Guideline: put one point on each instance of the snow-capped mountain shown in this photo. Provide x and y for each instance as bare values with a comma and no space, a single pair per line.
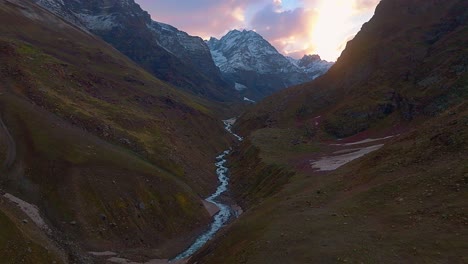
242,63
313,65
247,50
257,68
170,54
188,48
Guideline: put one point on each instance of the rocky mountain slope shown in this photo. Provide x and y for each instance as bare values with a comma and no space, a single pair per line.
257,68
369,159
313,65
170,54
108,156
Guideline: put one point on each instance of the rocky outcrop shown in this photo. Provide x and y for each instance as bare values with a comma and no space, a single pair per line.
190,49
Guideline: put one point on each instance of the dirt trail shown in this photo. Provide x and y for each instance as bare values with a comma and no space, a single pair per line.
11,146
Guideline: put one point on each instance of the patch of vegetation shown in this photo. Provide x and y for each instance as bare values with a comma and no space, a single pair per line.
276,144
16,248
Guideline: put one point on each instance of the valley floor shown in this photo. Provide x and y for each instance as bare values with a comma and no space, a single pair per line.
396,196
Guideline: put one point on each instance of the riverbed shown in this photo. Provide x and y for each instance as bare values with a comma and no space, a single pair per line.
225,211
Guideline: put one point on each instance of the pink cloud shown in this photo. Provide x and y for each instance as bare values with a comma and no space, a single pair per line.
203,18
288,30
274,24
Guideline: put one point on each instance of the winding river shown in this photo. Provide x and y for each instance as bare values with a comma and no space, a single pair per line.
225,211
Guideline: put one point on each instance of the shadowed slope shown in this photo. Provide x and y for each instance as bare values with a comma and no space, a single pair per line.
409,60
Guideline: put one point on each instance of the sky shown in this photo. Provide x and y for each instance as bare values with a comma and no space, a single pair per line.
294,27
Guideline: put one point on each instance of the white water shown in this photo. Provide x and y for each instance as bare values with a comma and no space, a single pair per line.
225,212
228,126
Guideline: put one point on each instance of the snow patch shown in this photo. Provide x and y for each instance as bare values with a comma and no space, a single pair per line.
240,87
101,22
293,61
51,3
249,100
166,27
368,140
331,163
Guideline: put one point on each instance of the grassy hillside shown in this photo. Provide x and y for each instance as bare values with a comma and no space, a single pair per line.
404,75
114,158
16,247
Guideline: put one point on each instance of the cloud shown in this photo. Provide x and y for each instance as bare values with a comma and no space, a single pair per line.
288,30
294,27
365,5
204,18
273,24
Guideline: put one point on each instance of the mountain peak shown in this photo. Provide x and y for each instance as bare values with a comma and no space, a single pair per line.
247,53
313,63
247,50
314,57
243,32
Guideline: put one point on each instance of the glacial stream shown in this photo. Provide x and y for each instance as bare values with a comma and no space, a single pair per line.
225,211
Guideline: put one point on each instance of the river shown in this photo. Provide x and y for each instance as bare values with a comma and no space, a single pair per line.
225,211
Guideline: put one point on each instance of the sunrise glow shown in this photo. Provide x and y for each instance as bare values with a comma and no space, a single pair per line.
328,32
294,27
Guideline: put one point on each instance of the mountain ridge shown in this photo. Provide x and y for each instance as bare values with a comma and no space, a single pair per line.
131,30
246,58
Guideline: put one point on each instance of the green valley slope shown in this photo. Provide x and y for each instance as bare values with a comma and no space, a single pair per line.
114,158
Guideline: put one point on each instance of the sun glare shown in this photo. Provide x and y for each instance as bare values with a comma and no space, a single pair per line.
329,28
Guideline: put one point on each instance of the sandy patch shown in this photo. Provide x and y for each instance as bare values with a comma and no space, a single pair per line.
330,163
30,210
211,208
237,210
